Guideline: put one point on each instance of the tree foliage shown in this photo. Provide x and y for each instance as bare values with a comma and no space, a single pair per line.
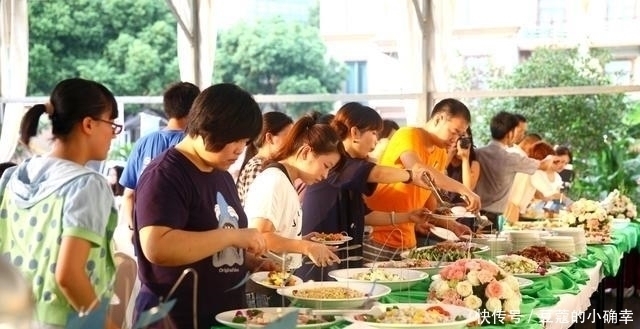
129,45
274,56
579,121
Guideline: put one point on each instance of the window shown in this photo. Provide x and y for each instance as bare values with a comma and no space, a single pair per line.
620,71
552,12
622,9
356,77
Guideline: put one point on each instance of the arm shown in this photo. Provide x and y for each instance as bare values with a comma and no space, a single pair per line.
320,254
166,246
410,160
375,218
126,208
71,275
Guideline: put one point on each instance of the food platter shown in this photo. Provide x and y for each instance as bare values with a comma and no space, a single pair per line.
331,239
444,234
453,250
394,278
270,279
397,315
422,265
266,315
334,295
553,270
572,260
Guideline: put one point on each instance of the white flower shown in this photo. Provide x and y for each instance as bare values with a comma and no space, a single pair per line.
512,282
494,305
472,277
441,288
512,304
464,288
507,292
473,302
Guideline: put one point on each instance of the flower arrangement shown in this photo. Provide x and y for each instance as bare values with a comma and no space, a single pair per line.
480,285
619,205
592,217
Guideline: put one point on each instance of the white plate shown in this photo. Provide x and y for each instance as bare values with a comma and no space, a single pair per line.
523,283
261,278
571,260
469,314
370,290
552,270
399,264
226,318
445,217
444,234
333,243
408,277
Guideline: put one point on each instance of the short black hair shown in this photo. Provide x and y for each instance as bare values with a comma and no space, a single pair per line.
178,99
453,108
387,126
501,124
521,118
222,114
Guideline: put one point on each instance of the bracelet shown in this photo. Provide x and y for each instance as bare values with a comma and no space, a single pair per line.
393,218
410,176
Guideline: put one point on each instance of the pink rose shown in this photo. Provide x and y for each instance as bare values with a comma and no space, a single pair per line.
494,290
452,272
485,276
473,265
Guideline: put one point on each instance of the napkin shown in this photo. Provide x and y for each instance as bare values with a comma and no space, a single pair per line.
546,289
608,254
415,294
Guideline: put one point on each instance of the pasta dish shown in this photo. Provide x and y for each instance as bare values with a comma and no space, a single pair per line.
328,293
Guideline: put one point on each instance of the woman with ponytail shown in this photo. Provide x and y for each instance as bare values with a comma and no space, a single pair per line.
272,205
56,216
275,125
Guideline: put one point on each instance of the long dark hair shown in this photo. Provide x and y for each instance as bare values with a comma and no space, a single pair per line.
321,138
70,102
117,189
356,115
272,123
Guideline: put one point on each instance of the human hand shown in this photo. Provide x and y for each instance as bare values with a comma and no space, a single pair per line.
424,228
459,229
472,200
251,240
321,255
310,235
419,216
462,152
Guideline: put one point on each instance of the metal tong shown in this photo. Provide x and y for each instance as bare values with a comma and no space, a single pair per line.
429,181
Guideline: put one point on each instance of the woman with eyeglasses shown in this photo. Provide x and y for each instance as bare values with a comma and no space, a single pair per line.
57,216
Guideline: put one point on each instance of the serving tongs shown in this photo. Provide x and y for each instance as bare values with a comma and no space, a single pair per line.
346,259
432,186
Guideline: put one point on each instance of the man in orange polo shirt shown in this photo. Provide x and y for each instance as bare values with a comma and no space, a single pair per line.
418,148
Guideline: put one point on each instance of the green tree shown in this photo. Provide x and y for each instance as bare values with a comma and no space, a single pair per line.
274,56
129,45
580,121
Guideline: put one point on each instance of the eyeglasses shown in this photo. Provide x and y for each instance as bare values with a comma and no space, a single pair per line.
117,128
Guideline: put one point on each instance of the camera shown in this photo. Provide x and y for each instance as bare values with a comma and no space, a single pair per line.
465,142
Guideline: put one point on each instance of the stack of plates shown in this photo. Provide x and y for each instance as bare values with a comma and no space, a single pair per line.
563,244
498,246
524,238
577,233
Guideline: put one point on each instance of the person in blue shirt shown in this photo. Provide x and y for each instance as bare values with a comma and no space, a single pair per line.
177,101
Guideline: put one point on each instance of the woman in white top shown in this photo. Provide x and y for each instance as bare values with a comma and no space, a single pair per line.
545,184
272,204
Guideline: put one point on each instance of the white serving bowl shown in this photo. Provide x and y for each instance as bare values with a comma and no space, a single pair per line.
407,277
370,291
469,315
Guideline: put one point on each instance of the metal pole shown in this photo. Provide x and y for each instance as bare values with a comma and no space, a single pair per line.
428,54
196,34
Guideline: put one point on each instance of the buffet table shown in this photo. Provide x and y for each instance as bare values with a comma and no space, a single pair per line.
557,301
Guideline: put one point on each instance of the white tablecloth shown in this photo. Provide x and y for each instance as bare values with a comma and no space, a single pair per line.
563,314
